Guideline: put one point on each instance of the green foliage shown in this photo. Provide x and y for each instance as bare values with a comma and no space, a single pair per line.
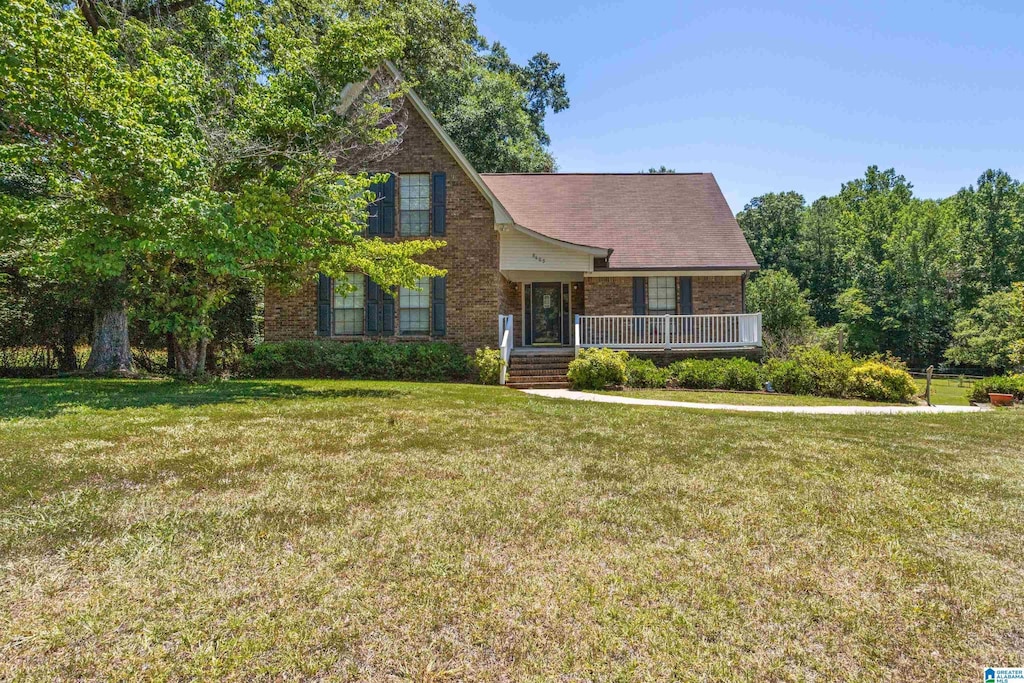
735,374
1000,384
785,312
597,369
876,381
772,224
642,373
787,376
493,108
991,335
425,362
828,373
488,362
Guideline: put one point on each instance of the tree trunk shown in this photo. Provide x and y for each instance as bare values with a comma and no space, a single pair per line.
111,351
190,356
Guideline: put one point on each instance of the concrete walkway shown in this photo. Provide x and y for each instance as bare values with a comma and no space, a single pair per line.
810,410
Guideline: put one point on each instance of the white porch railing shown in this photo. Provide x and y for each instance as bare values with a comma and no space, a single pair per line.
725,331
505,343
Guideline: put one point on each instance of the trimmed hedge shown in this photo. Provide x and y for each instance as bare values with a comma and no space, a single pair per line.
642,373
735,374
1000,384
420,361
597,369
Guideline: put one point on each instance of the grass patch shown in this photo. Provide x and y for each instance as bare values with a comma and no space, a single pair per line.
741,398
376,531
947,391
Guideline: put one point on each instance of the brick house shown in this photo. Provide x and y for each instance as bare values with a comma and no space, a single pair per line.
639,261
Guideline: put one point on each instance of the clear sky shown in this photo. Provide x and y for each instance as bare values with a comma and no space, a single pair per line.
785,95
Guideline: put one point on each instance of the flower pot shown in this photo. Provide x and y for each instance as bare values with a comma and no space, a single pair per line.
1001,399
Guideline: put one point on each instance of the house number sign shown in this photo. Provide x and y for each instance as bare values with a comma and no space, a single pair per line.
541,259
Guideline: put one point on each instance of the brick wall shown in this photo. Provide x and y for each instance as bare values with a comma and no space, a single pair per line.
717,295
711,294
510,299
608,295
471,254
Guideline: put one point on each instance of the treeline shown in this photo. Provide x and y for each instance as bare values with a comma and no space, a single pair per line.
931,281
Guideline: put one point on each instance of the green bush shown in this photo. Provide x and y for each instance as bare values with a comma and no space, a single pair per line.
878,381
426,361
738,374
741,374
642,373
488,362
1000,384
829,373
787,377
597,368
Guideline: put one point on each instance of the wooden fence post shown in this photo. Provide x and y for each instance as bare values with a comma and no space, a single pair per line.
928,385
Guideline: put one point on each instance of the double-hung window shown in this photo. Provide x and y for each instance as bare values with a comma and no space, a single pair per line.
350,304
414,308
661,295
415,201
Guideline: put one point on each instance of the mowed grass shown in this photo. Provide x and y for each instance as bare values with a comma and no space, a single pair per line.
384,531
946,391
741,398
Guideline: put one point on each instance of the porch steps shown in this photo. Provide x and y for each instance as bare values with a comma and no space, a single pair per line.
545,370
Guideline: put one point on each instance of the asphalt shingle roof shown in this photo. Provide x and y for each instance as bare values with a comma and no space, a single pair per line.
651,221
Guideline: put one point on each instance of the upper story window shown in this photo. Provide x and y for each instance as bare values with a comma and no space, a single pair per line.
415,202
414,308
661,295
350,305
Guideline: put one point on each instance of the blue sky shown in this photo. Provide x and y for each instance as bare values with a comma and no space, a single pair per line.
773,96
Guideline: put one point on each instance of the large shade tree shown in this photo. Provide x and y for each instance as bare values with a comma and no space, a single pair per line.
186,152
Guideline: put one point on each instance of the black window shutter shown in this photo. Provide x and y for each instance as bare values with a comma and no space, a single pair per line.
686,295
387,313
372,306
439,309
373,210
439,199
323,306
639,296
387,207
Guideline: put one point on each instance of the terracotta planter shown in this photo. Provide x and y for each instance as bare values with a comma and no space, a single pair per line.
1001,399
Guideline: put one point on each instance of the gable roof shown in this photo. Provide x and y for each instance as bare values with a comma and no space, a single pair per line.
350,93
671,221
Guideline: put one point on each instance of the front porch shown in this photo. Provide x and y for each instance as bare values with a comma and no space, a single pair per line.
715,334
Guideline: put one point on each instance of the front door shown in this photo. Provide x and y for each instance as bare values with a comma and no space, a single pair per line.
546,310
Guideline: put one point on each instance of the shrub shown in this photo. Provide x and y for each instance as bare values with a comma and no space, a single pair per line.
787,377
697,374
488,362
426,361
597,368
1000,384
829,373
642,373
877,381
738,374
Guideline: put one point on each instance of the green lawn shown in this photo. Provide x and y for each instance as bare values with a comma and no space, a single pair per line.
740,398
386,531
949,392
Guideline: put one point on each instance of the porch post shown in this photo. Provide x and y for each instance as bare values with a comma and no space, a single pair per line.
576,332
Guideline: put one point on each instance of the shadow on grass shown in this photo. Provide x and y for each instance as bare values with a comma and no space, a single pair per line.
47,398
